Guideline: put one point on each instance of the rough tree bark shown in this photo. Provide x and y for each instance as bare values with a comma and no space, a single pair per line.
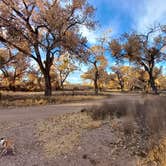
96,78
149,70
48,87
152,82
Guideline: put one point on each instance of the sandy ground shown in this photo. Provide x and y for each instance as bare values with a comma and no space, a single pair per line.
96,146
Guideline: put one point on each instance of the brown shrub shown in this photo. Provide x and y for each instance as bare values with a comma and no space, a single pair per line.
144,122
108,111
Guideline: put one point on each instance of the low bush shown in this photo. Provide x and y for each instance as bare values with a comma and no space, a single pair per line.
108,111
143,124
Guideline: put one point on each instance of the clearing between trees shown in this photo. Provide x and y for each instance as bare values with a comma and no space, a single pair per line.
87,133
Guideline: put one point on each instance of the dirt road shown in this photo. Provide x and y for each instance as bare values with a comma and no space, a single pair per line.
40,112
20,125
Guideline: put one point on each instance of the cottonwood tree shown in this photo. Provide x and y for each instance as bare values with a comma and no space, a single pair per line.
119,75
64,66
128,77
104,79
98,63
5,56
145,50
161,80
39,28
137,79
34,78
15,69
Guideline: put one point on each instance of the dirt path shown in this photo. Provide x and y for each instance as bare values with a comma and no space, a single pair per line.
40,112
20,125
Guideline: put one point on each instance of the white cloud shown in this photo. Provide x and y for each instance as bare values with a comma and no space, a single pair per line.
154,13
143,14
91,35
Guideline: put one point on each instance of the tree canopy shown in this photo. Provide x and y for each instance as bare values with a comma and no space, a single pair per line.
40,28
145,50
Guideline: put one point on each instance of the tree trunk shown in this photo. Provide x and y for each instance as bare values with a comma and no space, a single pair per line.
12,86
121,87
48,87
96,78
96,83
152,82
121,83
62,86
96,87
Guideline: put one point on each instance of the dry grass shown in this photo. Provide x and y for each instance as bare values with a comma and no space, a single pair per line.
142,125
108,111
62,133
156,156
29,99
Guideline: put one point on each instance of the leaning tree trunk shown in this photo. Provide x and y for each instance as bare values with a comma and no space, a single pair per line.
48,87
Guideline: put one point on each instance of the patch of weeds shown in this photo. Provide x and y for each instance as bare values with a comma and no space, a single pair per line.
141,126
108,111
156,155
31,100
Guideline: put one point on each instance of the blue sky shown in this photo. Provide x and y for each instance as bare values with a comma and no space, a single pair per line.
122,16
